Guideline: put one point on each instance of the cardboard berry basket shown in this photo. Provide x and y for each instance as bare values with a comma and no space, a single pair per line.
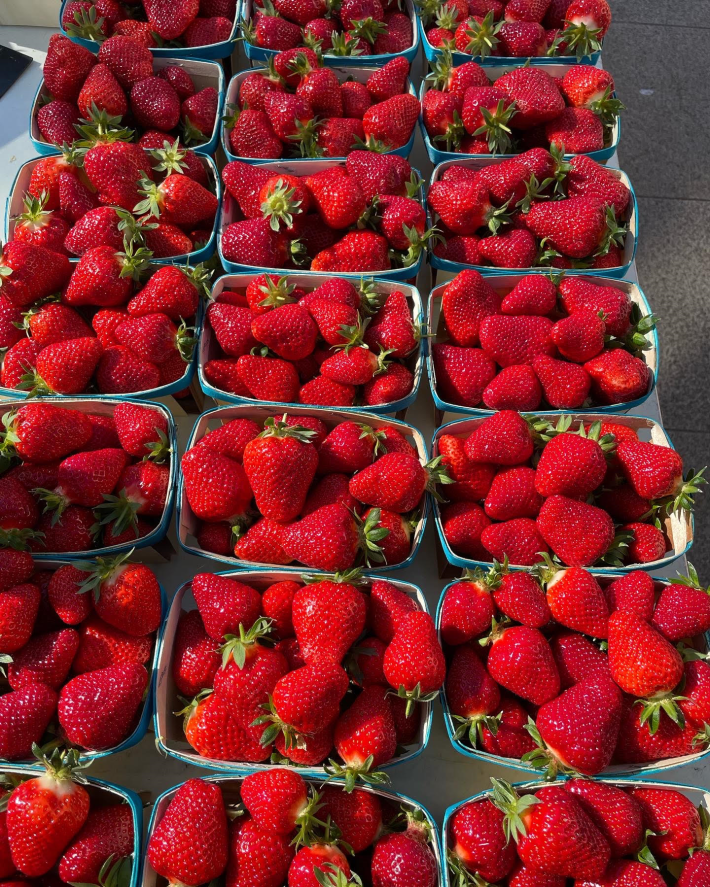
230,213
149,393
168,728
613,771
203,74
101,794
259,53
230,786
14,206
102,406
141,727
679,528
187,523
478,162
360,75
553,67
219,50
699,796
432,53
209,348
502,284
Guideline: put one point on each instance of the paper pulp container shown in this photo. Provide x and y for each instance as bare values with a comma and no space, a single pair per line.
230,786
613,771
231,213
187,523
502,284
679,528
101,794
258,53
553,67
102,406
432,53
478,162
360,75
210,51
203,74
141,727
14,206
699,797
168,728
209,347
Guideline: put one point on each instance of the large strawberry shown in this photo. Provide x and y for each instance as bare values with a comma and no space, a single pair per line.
328,617
107,834
414,663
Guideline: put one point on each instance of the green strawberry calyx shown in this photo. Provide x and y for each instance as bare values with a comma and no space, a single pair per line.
329,875
62,765
280,206
354,773
103,569
437,473
514,806
413,696
278,428
370,533
236,647
170,157
580,39
346,577
542,758
277,293
87,24
120,511
495,127
19,540
472,727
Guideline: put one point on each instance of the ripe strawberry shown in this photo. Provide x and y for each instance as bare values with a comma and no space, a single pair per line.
389,387
365,736
519,596
672,818
533,294
330,538
396,482
565,385
578,533
522,39
576,130
44,432
637,744
513,388
635,592
580,293
520,660
682,609
227,496
695,870
45,659
115,169
315,862
196,656
571,465
502,439
478,841
190,842
397,38
225,604
462,374
514,340
472,695
97,709
414,663
578,659
512,494
102,91
388,607
74,532
255,855
275,799
615,813
408,855
587,178
24,717
510,249
618,377
472,480
646,543
107,834
179,79
586,22
463,524
66,67
214,729
658,673
356,252
18,610
178,200
16,567
120,371
126,596
357,814
391,123
388,81
29,273
575,226
577,601
653,471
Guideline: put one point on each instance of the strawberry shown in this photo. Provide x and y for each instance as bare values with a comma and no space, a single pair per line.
637,744
575,226
646,543
624,871
580,336
510,249
682,608
565,385
257,856
16,567
513,388
178,200
513,494
127,60
586,22
226,475
672,818
357,814
389,387
519,596
414,663
66,67
275,799
126,596
18,610
316,861
533,294
657,674
479,844
396,482
330,538
120,371
462,374
388,606
389,80
97,709
472,480
405,858
155,104
116,169
587,178
356,252
40,227
29,273
94,226
179,79
572,465
325,392
514,340
101,91
472,695
635,592
107,834
580,293
45,659
365,736
554,834
85,479
11,323
519,540
139,31
463,524
74,532
225,604
576,130
522,39
536,96
525,877
695,870
24,717
502,439
526,10
44,432
338,198
615,813
511,740
391,122
397,38
578,533
617,376
653,471
215,730
190,841
196,656
520,660
577,602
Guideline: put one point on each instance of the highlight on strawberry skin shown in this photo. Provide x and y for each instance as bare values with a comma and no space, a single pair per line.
60,824
276,827
592,490
592,833
331,673
328,491
76,648
86,477
313,339
530,342
576,673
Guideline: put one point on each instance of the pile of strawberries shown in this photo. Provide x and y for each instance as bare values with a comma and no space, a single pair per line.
75,645
579,672
360,216
516,28
566,342
152,23
56,829
535,209
332,670
330,345
296,489
352,28
466,113
119,86
288,833
296,107
73,481
588,494
104,331
599,834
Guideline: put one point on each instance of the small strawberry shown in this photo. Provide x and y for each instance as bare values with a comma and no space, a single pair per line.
472,695
463,524
646,543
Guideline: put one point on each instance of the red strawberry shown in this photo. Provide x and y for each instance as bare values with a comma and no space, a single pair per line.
520,660
519,596
695,870
672,818
275,799
658,673
330,538
578,533
587,178
472,695
120,371
618,377
502,439
357,814
406,853
534,294
107,834
391,123
365,736
196,656
465,302
571,465
513,388
472,480
414,663
462,374
578,658
615,813
45,659
24,717
225,604
463,524
513,494
396,482
328,617
388,607
635,592
479,843
18,610
29,273
580,293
